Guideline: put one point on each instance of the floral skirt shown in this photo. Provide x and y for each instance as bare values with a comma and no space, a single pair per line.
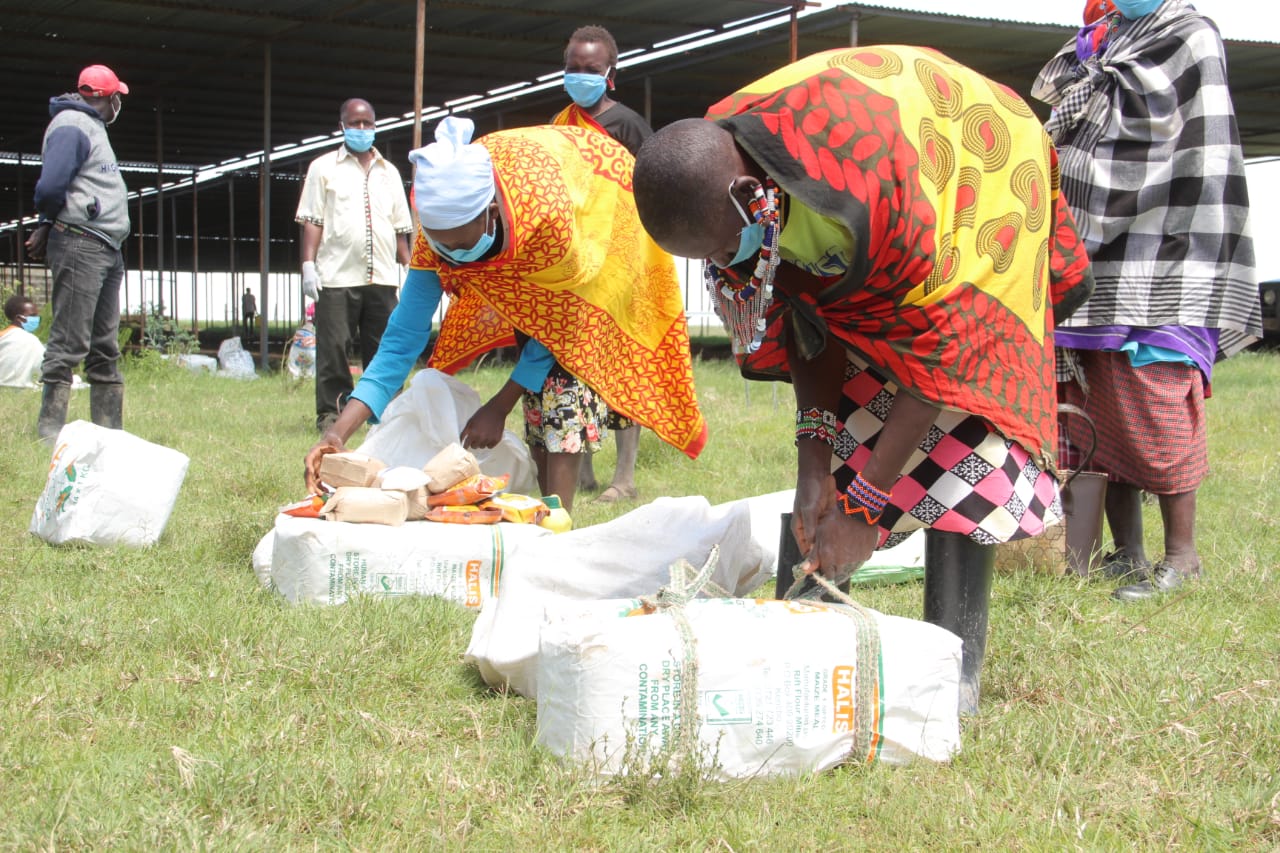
565,416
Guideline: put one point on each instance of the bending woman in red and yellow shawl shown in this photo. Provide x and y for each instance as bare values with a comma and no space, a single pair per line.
884,231
535,229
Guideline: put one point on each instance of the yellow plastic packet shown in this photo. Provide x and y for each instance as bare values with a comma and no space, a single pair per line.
519,509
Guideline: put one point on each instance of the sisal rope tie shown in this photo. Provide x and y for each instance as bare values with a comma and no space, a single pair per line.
686,584
867,655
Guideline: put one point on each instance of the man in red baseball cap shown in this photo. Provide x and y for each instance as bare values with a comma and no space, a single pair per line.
99,81
84,219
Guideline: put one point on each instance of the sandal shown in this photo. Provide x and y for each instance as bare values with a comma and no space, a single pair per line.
613,494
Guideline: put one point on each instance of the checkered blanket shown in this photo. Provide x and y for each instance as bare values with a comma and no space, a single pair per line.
1153,169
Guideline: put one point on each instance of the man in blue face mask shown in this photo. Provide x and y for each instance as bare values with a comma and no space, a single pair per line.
355,236
590,71
20,350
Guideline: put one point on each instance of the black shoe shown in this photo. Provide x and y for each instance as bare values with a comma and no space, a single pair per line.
1163,579
1119,566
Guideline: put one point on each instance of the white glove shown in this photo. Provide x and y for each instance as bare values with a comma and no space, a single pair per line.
310,280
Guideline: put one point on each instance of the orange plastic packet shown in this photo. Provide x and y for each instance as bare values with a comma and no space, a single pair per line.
309,508
472,490
464,515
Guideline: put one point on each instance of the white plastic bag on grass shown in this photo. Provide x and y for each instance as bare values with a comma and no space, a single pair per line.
429,416
626,557
261,558
107,487
234,361
782,687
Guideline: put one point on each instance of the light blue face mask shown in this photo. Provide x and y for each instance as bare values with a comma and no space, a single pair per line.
586,89
750,238
1132,9
475,253
358,139
31,324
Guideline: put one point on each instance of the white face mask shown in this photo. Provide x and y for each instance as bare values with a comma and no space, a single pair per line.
116,105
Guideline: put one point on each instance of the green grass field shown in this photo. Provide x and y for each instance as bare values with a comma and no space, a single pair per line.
160,699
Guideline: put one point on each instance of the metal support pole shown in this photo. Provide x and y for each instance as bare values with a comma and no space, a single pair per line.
853,29
231,248
160,206
22,237
419,65
173,260
142,265
264,206
795,31
195,256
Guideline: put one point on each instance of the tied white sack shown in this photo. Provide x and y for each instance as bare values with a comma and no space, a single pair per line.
314,561
429,416
107,487
781,686
234,360
627,557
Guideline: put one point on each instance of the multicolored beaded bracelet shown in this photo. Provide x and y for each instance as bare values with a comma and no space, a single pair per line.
862,497
818,424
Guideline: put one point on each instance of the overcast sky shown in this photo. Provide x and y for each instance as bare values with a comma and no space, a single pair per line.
1238,19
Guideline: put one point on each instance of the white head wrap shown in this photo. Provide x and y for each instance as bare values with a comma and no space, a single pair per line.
454,179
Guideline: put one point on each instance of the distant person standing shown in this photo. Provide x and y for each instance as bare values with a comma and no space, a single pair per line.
20,350
1153,169
248,310
84,219
355,232
590,72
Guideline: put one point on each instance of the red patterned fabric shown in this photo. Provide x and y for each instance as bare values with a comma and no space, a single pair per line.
1151,421
948,187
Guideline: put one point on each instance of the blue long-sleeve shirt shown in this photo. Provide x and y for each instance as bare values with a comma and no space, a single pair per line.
409,329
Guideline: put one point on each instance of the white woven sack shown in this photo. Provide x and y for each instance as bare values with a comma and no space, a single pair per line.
315,561
107,487
776,687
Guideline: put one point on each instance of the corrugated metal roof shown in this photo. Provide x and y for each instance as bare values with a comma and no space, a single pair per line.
196,69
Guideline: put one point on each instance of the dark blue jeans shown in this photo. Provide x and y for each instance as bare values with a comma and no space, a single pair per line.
343,313
87,274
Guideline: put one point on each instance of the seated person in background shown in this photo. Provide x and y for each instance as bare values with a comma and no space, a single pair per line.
885,232
535,229
20,350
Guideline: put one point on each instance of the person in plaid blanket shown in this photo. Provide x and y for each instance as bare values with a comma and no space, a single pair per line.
1153,169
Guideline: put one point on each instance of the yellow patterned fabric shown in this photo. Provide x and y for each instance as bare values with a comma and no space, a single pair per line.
577,273
575,116
961,242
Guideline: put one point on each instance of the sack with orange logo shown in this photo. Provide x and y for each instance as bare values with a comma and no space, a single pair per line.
315,561
753,687
107,487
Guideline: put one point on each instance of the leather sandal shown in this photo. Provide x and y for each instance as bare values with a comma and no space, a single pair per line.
1118,565
1163,579
613,494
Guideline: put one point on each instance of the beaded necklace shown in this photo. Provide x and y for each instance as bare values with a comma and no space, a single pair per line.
742,304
